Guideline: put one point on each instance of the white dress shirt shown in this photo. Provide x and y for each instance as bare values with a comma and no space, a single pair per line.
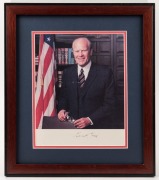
86,69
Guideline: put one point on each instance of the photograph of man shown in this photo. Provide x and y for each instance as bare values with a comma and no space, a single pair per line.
87,92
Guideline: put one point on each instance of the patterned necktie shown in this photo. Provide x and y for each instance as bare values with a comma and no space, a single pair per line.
81,78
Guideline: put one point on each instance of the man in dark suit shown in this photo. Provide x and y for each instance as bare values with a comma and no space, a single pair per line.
87,92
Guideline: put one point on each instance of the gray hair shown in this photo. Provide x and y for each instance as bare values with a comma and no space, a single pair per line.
89,42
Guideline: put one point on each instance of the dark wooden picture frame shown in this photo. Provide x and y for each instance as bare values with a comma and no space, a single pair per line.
12,168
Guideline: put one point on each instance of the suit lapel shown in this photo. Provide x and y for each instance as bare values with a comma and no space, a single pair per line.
89,80
74,80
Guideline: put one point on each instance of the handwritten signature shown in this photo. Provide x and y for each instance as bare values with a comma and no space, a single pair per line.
83,135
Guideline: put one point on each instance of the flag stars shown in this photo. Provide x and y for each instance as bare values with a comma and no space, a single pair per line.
49,39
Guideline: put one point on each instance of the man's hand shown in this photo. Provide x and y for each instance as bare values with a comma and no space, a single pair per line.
62,115
82,123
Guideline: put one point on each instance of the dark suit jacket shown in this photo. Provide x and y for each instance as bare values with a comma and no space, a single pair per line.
95,100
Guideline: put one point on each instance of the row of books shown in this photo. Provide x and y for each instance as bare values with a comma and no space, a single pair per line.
64,56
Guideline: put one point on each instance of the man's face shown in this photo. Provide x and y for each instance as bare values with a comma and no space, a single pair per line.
82,52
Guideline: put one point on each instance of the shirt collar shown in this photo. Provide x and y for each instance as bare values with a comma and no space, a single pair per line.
85,68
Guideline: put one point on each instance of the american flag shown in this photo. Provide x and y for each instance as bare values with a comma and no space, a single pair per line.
45,89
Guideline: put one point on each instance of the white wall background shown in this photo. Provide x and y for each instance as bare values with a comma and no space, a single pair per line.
2,177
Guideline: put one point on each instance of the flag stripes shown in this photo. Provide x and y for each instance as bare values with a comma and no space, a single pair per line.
45,91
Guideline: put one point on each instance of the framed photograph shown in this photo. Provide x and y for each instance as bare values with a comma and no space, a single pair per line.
108,50
79,90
